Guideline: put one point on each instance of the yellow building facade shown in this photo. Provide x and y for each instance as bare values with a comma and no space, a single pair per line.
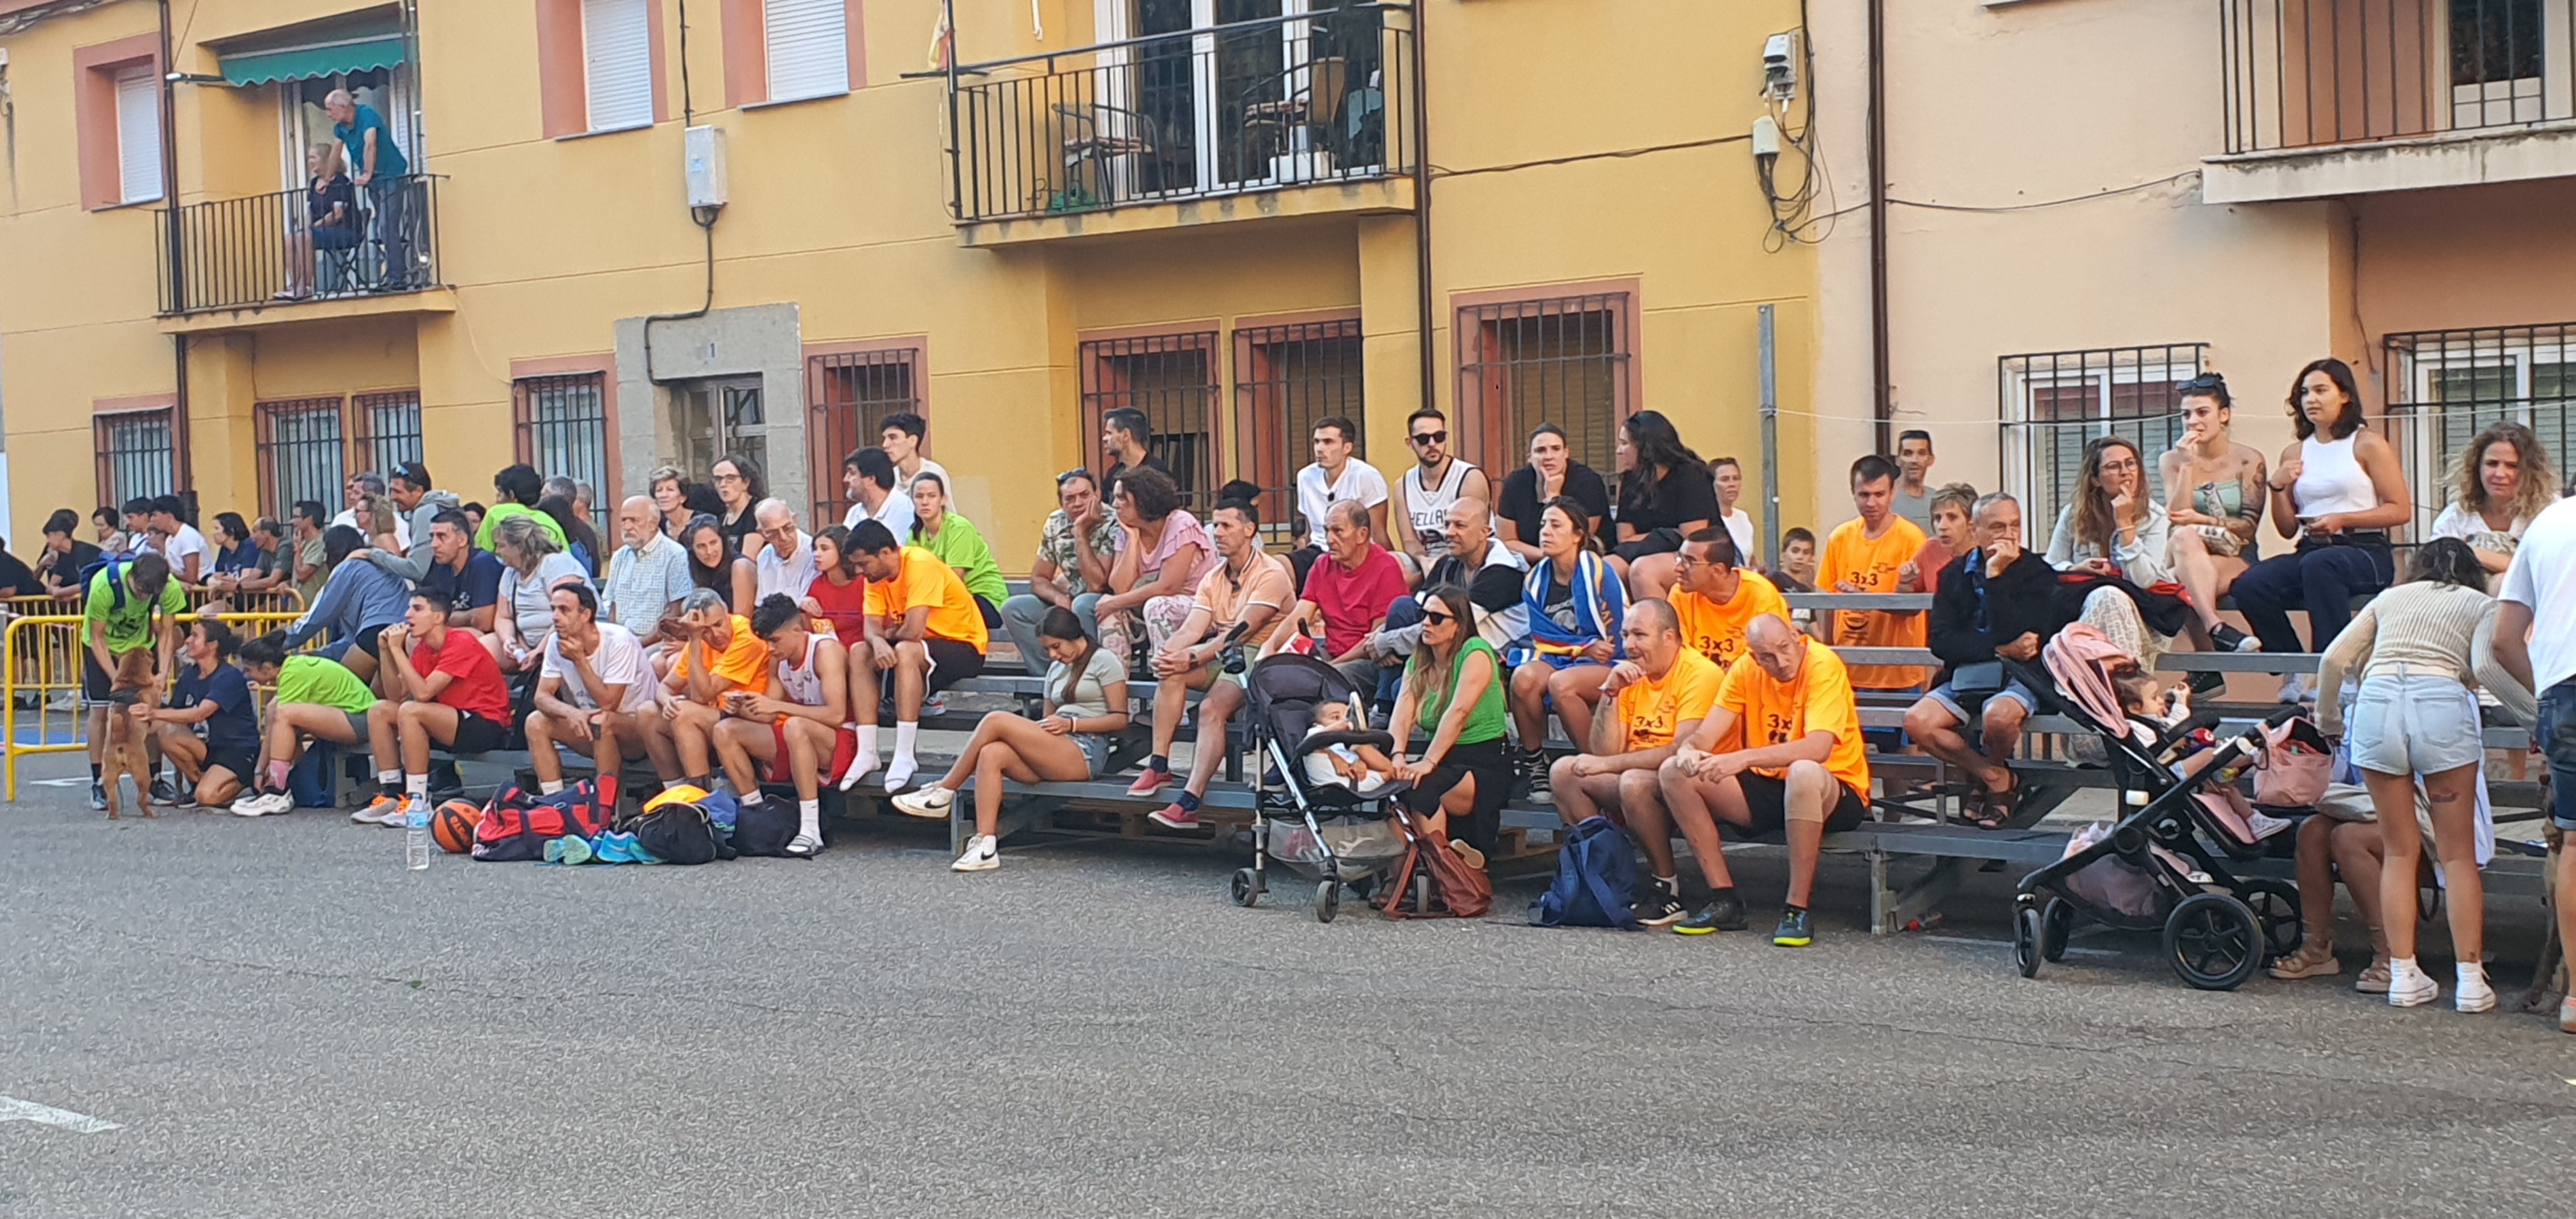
1210,210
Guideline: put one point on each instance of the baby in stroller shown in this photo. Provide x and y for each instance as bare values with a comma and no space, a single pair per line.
1359,766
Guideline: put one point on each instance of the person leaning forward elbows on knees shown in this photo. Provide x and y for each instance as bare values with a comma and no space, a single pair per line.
594,691
924,628
718,656
1803,768
1247,591
316,697
1660,693
446,690
1453,692
1086,701
798,729
1991,605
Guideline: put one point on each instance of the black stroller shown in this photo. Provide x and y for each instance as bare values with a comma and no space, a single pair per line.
1344,840
2169,855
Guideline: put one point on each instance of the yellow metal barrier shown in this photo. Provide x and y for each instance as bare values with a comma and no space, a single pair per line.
44,669
266,601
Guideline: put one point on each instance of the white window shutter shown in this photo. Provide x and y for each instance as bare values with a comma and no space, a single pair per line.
138,135
809,47
617,62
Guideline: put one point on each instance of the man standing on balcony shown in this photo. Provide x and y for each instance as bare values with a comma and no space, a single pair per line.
377,166
1437,480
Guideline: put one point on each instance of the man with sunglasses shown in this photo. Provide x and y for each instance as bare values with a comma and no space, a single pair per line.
1424,493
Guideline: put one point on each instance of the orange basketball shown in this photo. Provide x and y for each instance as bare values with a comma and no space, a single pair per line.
453,825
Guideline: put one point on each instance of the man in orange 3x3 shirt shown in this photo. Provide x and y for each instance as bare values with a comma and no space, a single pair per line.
1875,554
1653,699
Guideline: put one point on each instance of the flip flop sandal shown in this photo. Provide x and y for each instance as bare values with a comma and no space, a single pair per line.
802,847
1995,808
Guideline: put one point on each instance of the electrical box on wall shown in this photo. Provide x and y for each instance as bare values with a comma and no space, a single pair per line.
703,149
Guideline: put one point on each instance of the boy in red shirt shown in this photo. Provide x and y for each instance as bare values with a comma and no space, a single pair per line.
447,690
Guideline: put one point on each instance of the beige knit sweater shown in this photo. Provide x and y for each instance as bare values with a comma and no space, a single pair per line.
2441,628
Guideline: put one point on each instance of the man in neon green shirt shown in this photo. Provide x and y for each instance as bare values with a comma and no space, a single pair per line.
517,487
316,697
131,607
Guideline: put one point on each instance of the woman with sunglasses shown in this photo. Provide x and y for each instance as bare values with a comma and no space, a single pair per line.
2214,496
1453,696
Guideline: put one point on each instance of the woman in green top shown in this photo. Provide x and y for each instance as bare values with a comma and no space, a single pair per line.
954,539
1453,691
316,697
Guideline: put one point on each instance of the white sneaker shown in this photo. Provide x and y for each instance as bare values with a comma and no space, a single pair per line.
377,810
932,802
400,817
2409,986
982,855
934,706
2567,1014
2265,826
2472,994
268,804
2294,688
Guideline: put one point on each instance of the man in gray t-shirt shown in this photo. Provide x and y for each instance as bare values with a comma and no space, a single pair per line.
1914,478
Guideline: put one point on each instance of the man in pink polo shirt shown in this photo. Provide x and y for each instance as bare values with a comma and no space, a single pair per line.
1347,593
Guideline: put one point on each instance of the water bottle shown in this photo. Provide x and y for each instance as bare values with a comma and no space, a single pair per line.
416,834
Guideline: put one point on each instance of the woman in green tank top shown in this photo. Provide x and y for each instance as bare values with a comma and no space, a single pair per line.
1453,692
2214,497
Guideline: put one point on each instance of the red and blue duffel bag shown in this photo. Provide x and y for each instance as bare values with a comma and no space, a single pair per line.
518,823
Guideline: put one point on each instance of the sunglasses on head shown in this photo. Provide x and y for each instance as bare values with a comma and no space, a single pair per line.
1440,437
2205,383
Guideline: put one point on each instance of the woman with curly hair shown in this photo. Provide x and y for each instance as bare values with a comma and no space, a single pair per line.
2500,482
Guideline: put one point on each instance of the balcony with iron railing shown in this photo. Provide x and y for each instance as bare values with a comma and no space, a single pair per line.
1298,115
2339,97
293,254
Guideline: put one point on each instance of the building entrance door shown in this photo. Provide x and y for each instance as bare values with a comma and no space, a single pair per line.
716,417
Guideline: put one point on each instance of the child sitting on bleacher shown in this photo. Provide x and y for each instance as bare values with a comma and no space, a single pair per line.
1364,769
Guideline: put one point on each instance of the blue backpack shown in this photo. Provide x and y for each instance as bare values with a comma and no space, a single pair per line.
1596,870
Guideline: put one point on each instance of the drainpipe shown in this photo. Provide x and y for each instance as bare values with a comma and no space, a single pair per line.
1422,214
183,473
1883,385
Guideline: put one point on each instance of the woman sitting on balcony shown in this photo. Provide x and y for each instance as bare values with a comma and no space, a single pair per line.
331,222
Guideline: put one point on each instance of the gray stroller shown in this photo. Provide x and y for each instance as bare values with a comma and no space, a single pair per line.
1327,833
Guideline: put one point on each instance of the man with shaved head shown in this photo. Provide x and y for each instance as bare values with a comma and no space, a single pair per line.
647,577
1662,691
1797,766
1347,593
377,166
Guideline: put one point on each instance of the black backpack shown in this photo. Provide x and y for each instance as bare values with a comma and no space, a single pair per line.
678,832
765,829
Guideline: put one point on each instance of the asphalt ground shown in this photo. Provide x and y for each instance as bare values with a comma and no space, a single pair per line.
281,1021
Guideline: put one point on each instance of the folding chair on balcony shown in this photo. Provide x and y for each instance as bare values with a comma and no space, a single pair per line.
1309,100
1096,133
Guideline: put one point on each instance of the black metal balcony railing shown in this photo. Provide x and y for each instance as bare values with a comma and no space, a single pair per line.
1325,96
2317,73
267,249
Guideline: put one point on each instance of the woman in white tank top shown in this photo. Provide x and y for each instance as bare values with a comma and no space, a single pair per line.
2339,490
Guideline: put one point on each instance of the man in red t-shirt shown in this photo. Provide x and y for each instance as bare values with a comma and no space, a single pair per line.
447,690
1347,592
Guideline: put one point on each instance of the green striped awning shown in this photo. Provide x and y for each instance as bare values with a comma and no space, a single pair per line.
259,67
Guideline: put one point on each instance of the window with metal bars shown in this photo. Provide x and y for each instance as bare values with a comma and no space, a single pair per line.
1173,379
1565,360
303,453
386,430
2445,386
135,455
2054,403
850,394
1286,378
563,428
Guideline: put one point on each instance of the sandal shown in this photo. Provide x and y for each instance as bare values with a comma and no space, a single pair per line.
1995,808
2315,959
802,847
2373,980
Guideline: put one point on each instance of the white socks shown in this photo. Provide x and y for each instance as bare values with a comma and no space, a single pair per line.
548,787
809,819
866,760
899,772
416,786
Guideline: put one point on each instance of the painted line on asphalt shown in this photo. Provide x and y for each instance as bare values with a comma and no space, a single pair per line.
2071,950
74,781
14,1110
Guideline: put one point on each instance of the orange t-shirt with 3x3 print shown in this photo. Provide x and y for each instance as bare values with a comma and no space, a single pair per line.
1871,564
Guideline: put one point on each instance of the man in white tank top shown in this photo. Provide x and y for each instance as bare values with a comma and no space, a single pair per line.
1423,494
798,731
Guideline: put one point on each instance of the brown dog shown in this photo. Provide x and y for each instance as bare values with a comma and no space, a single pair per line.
135,685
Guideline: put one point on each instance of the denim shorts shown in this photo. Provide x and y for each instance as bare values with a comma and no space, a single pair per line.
2558,744
2417,723
2013,689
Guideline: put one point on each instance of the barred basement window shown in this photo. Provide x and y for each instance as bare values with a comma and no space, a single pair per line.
388,430
2445,386
135,455
850,395
1566,361
301,455
1172,378
563,428
2054,403
1286,378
